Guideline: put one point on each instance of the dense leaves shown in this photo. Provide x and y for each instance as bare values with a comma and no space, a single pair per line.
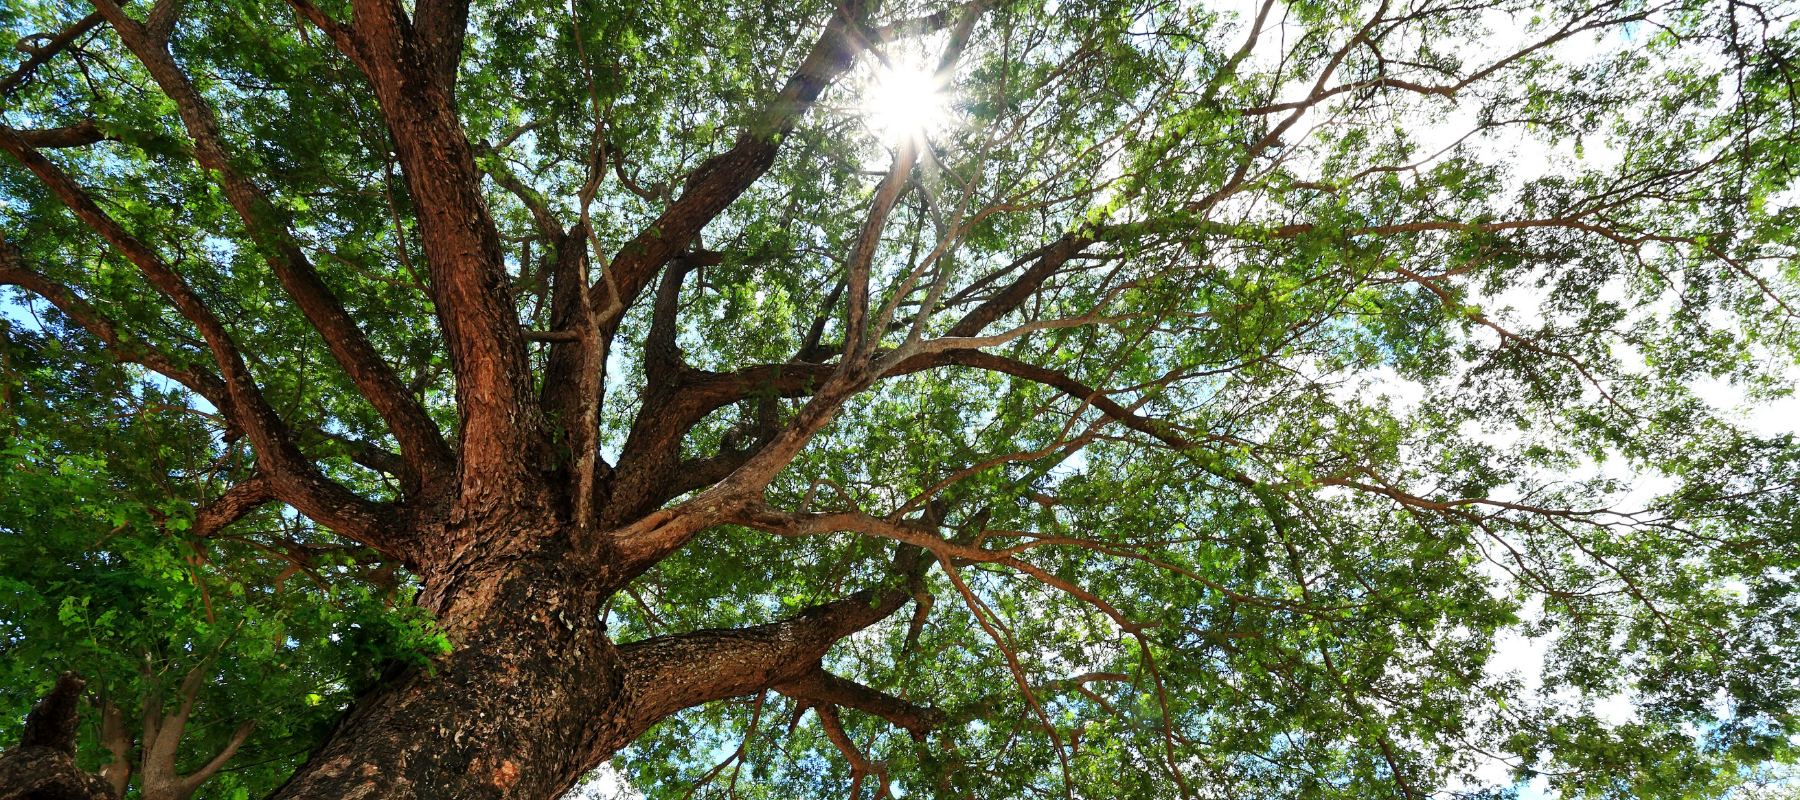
1305,400
100,575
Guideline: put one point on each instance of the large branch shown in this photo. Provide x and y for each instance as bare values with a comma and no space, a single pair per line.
234,504
80,134
364,454
704,392
163,737
669,673
132,350
648,467
297,481
652,452
719,180
822,687
87,131
440,26
859,341
1045,262
421,444
573,377
650,471
411,65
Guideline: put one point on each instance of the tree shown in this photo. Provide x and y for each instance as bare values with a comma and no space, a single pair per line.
1102,399
103,579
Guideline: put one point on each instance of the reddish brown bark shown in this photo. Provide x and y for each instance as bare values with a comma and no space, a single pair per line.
535,695
520,533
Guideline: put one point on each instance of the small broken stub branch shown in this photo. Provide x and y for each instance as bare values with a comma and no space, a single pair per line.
51,722
43,762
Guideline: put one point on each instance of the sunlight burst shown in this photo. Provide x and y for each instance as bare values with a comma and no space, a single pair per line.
905,101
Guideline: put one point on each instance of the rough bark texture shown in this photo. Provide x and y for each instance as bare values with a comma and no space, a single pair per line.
44,773
535,695
42,765
515,526
528,702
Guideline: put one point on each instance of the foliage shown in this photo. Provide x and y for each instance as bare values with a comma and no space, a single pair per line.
1386,338
97,574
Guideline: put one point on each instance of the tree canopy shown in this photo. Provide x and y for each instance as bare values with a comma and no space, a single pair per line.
1092,398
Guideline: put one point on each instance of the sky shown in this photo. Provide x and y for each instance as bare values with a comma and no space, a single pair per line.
1516,654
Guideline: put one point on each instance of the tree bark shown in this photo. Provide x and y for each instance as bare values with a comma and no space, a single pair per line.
534,695
42,765
528,700
506,529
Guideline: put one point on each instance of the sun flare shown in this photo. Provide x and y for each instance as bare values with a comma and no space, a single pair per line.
904,101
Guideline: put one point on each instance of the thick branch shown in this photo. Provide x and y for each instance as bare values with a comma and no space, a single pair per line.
705,392
162,740
412,69
859,340
421,444
364,454
669,673
440,26
192,783
650,539
1049,259
236,503
662,358
119,741
298,482
162,744
701,393
717,182
652,452
43,53
573,376
199,381
80,134
649,465
859,764
823,687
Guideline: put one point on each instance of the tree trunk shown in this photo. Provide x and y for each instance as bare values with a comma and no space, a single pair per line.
534,695
529,700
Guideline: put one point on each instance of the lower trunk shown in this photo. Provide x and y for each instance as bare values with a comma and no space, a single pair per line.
528,702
